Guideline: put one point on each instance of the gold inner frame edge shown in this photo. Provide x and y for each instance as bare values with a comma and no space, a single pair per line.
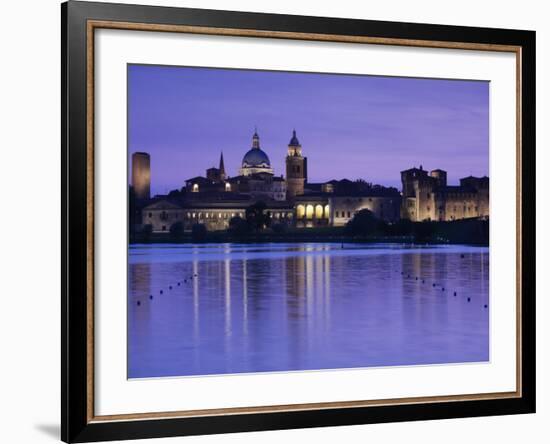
92,25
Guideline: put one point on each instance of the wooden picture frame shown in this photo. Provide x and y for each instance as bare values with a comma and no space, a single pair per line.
79,22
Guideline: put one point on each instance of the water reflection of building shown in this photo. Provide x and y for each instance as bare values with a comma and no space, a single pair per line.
213,199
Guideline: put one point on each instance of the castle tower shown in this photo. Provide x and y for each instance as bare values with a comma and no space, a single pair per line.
440,177
296,168
141,175
222,168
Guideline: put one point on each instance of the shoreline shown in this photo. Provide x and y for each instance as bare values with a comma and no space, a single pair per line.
168,239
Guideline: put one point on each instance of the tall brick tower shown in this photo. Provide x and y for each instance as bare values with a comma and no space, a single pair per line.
296,168
141,175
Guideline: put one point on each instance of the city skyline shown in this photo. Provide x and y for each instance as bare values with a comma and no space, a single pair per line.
354,127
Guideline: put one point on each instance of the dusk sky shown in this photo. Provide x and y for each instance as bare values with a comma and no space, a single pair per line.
349,126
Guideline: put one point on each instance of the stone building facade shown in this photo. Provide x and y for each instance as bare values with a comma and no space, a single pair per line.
331,209
427,197
215,215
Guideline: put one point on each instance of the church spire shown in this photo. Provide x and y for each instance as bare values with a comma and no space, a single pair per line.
222,167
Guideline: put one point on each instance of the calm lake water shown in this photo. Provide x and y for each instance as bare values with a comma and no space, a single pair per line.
281,307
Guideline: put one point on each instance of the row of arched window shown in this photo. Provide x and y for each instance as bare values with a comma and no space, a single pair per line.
309,211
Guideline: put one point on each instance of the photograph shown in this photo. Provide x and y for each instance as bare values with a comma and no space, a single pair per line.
283,221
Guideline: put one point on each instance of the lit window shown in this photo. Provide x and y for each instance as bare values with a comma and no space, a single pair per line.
318,211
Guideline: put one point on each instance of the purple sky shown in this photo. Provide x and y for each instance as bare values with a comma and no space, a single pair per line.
349,126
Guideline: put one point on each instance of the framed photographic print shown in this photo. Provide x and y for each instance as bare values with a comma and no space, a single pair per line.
275,221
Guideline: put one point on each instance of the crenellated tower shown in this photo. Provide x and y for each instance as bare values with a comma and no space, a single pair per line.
296,168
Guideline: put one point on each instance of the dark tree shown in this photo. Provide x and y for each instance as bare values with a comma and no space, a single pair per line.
257,217
198,232
363,223
279,228
424,231
239,226
176,229
403,227
146,231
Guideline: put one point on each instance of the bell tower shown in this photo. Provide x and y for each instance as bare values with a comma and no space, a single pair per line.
296,168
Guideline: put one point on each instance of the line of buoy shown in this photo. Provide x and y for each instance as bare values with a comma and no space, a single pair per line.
138,303
416,278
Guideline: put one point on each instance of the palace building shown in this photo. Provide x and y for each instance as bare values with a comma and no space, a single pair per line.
215,198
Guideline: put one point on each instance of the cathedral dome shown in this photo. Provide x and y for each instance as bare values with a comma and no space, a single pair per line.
255,160
255,157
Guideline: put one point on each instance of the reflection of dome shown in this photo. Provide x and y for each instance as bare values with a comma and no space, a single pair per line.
255,157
